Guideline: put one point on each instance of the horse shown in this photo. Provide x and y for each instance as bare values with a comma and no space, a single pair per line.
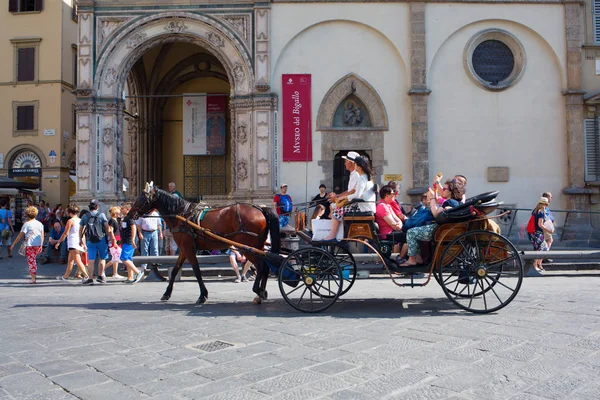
243,223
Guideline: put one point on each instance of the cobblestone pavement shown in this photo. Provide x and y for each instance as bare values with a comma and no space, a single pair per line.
61,340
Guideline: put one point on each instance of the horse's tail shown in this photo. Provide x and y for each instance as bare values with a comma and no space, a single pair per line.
273,226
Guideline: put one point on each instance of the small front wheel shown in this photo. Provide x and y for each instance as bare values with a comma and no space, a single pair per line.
317,280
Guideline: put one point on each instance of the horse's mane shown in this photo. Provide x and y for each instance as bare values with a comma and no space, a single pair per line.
174,205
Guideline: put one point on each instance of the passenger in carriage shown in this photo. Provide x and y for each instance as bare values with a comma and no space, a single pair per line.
452,193
390,226
364,190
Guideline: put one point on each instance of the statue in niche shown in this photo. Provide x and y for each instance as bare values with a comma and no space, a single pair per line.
352,114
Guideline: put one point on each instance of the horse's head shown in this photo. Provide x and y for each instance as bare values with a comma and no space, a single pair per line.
145,202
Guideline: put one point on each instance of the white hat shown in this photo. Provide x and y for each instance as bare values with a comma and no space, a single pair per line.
351,156
282,185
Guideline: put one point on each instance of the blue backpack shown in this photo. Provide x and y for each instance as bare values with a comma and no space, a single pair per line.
422,217
285,202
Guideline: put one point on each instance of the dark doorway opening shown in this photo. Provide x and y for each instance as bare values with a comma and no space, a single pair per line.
340,175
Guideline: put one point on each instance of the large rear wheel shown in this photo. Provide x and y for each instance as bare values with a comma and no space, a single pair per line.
480,271
317,277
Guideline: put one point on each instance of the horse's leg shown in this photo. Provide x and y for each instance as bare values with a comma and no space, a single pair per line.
174,273
194,261
260,283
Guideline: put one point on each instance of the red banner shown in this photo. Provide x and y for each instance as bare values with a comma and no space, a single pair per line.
297,137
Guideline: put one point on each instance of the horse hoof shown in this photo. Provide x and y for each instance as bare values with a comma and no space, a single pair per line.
257,300
165,297
201,300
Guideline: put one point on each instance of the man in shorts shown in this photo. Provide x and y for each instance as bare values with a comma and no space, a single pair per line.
96,249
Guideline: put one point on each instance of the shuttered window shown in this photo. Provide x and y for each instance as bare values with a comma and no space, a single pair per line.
25,64
25,118
16,6
596,20
592,150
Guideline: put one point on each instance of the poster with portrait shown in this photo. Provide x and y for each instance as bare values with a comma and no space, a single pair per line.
204,126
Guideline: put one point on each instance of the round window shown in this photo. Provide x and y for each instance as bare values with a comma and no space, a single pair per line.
494,59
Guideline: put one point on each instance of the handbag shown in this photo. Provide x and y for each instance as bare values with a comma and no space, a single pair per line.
22,249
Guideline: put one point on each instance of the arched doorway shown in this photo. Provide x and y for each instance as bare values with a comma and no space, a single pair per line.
166,83
131,118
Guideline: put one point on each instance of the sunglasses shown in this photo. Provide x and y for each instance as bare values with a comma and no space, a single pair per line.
446,188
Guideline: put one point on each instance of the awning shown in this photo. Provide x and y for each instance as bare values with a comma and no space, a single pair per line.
9,192
8,183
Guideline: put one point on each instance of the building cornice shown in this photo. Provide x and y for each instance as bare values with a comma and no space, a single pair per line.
38,83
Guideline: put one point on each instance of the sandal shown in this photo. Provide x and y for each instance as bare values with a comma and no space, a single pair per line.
32,282
407,264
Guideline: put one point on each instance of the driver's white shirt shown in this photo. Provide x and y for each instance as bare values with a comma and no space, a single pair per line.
354,178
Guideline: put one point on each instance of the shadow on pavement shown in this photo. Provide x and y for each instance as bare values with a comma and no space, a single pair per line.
349,308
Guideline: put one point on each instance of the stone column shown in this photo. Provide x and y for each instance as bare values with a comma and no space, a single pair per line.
108,171
252,153
242,146
262,47
578,226
85,123
419,96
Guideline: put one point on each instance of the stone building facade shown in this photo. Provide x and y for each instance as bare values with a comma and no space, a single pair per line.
487,89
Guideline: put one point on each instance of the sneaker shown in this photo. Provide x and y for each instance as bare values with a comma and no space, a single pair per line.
128,281
101,279
138,277
244,279
88,281
118,277
237,280
61,278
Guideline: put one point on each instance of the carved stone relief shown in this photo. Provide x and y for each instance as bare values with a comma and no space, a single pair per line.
262,36
242,170
238,73
109,136
135,39
242,133
216,39
111,77
108,173
176,26
83,133
263,168
83,170
108,25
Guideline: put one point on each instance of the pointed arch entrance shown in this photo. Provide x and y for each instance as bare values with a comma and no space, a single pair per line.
107,126
351,117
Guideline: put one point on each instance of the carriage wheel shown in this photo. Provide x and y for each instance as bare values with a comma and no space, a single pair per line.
347,263
480,271
317,279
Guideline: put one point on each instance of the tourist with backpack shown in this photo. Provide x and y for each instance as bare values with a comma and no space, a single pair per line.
283,205
97,232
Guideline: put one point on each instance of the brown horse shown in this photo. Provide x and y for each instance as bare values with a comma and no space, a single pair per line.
246,224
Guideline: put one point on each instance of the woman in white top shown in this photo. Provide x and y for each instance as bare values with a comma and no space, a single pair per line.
364,190
71,234
33,231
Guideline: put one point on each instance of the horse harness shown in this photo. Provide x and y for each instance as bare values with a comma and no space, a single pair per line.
200,212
